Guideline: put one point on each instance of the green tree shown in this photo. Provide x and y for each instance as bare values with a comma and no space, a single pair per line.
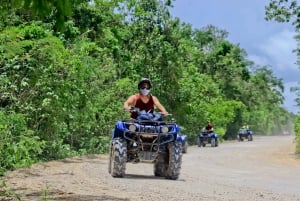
59,9
284,11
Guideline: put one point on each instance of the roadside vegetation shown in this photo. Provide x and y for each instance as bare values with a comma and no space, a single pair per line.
64,75
289,12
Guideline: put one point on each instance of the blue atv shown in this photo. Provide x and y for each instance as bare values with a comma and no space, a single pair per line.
146,139
244,133
207,137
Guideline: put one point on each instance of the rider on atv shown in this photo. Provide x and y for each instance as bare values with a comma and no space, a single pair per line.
207,136
208,128
146,137
144,100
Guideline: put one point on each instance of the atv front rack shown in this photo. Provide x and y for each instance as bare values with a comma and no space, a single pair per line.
149,133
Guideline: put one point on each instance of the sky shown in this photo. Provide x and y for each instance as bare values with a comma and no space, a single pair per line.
267,43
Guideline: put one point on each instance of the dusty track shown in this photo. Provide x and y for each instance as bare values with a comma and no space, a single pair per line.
262,170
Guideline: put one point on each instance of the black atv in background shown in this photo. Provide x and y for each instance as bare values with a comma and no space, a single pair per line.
146,139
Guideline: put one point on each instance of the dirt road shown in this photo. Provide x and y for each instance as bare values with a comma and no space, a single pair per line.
262,170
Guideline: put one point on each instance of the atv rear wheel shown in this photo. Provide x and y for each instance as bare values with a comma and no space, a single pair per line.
117,157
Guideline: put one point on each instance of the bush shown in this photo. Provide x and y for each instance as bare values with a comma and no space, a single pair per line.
18,146
297,133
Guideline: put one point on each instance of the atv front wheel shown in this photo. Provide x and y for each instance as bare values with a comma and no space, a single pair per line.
199,142
161,165
174,160
213,142
117,157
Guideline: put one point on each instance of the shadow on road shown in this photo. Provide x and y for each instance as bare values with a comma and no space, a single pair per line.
150,177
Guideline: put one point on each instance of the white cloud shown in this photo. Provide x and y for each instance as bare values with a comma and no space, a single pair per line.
267,43
258,59
278,50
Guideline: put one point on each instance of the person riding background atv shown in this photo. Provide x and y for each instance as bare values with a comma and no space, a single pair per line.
244,133
245,126
144,100
208,128
207,136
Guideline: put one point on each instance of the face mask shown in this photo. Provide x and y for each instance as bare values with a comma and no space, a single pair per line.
145,92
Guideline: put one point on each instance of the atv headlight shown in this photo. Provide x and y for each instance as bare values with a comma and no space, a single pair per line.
164,129
132,127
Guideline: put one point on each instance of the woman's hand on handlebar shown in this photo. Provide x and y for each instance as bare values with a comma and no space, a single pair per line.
165,113
132,109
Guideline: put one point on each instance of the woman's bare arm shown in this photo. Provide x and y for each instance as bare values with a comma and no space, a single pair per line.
159,106
129,102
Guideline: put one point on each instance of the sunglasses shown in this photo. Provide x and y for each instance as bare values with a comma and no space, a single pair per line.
145,87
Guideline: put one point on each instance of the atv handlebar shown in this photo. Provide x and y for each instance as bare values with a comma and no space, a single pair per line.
137,110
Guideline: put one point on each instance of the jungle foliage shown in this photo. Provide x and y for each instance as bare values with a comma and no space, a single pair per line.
62,89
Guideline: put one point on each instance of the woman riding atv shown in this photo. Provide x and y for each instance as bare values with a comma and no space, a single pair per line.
143,100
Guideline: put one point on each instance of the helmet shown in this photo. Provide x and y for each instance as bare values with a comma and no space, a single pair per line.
144,80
